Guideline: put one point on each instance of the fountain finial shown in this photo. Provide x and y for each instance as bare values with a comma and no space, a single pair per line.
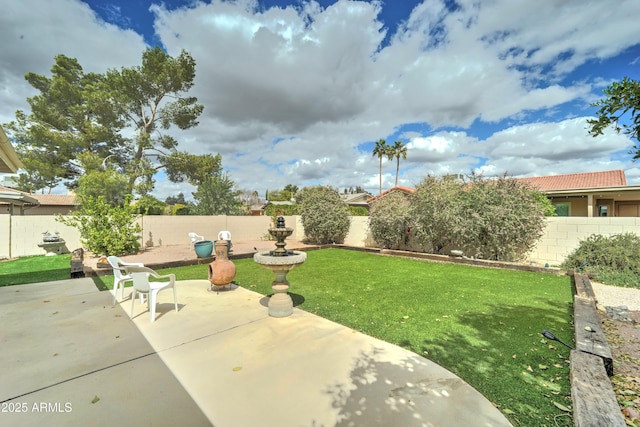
280,232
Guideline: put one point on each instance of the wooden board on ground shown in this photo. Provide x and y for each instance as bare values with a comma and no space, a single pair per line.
589,334
594,402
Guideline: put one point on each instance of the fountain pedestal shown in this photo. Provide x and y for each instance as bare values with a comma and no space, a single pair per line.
280,303
280,261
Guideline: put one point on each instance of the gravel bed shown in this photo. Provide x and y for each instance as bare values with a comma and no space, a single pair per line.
615,296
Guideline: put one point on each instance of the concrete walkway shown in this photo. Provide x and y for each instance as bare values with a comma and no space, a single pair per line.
71,358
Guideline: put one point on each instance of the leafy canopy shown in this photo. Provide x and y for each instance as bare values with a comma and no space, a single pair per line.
216,195
389,218
75,113
622,98
70,115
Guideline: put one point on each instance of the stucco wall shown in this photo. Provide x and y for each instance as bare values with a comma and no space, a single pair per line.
562,234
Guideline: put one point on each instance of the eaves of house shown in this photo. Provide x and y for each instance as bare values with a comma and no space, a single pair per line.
9,161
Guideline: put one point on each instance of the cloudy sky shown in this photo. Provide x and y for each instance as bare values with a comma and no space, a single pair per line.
296,92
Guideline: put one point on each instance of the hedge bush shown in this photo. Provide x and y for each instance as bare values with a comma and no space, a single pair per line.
389,219
324,215
611,259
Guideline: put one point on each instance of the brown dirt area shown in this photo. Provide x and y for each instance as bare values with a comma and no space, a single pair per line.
624,341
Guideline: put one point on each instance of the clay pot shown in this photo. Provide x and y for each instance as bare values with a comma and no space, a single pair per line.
221,271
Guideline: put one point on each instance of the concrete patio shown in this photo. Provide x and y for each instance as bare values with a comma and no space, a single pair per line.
71,358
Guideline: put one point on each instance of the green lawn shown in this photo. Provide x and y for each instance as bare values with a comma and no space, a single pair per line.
482,324
35,269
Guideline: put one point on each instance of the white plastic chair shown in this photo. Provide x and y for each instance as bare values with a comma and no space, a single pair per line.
119,274
225,235
195,237
141,284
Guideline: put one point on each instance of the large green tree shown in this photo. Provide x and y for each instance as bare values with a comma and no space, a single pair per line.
217,195
152,98
69,115
622,100
77,112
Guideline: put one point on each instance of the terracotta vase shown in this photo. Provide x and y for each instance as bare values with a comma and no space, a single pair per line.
221,271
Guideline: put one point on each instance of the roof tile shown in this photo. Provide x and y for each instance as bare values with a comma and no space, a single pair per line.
613,178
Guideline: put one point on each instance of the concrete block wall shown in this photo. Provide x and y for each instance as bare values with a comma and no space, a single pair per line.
20,235
563,235
160,230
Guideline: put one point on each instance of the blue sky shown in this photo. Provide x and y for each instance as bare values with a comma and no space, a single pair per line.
296,92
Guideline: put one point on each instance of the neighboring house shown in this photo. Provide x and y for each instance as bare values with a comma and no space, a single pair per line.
398,188
16,202
590,194
357,199
586,194
257,210
54,204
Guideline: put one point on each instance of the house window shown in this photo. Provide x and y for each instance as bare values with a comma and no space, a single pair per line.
603,210
562,209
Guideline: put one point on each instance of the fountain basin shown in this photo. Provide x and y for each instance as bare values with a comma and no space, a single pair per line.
286,262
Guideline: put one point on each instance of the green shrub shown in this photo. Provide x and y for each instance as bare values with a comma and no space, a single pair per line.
611,259
281,210
497,219
358,211
389,218
105,229
149,205
503,218
324,215
436,208
179,209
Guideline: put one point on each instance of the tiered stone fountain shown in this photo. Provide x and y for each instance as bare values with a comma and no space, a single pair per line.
280,261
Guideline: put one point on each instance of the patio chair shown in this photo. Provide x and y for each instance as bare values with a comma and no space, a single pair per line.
225,235
195,237
119,274
141,284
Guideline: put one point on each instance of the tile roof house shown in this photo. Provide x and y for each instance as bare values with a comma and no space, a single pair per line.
34,204
398,188
604,193
614,178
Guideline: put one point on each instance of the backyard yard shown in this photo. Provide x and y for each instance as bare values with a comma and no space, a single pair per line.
482,324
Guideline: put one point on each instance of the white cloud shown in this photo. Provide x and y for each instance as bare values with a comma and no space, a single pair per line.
292,93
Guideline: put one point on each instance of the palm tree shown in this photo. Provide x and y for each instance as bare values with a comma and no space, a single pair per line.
398,149
381,149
